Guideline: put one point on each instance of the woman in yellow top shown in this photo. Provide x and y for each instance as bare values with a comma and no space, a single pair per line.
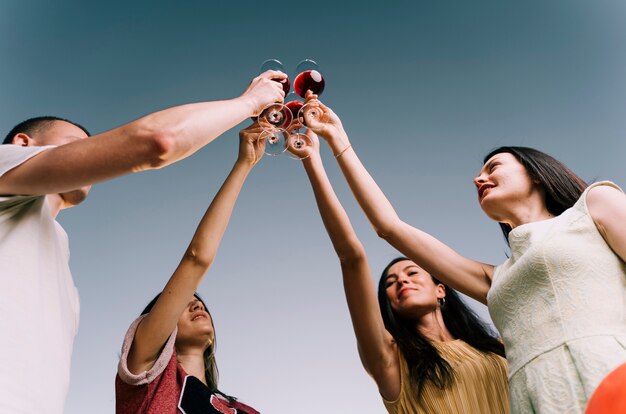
426,350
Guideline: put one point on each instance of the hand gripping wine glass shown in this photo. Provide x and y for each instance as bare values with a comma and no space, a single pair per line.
275,118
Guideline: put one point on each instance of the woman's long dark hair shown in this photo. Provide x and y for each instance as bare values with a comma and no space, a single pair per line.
561,186
424,362
210,365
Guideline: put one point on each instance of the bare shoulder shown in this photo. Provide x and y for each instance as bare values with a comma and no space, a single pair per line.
606,204
603,198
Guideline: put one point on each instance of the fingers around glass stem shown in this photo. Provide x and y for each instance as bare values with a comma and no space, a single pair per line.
276,65
310,113
297,144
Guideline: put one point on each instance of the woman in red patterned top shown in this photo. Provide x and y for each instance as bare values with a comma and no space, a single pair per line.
168,360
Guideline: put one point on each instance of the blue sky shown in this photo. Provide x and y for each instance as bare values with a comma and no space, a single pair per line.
424,89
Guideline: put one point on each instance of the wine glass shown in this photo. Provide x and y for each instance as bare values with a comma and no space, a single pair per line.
294,103
275,118
296,138
274,64
275,141
309,78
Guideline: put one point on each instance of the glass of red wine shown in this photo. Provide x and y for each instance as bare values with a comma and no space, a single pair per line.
294,103
296,138
275,118
308,78
274,64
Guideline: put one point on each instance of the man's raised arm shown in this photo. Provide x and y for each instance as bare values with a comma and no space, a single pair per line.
153,141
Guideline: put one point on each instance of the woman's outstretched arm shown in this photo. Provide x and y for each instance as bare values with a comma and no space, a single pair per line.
377,348
468,276
158,325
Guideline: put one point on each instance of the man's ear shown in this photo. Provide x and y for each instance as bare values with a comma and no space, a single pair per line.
23,140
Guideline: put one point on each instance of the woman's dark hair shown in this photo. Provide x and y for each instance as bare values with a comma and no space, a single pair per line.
424,362
561,186
210,365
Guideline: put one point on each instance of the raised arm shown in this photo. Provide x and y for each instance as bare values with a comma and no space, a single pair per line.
468,276
158,325
153,141
377,348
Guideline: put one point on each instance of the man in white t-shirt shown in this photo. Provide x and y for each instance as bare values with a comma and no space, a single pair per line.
47,164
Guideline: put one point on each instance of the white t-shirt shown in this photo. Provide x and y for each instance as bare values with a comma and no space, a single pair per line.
38,300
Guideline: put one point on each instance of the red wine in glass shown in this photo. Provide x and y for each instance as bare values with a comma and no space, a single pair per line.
309,80
274,64
297,139
294,107
285,84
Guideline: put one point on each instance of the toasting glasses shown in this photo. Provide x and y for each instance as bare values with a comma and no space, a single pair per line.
283,125
275,118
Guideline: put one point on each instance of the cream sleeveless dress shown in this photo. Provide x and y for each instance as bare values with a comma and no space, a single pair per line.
559,303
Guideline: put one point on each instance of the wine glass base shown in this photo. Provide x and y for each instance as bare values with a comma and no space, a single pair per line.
296,144
275,141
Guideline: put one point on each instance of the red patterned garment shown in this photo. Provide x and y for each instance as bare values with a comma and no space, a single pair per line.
166,388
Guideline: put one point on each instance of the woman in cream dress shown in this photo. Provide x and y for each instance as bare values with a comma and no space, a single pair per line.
559,301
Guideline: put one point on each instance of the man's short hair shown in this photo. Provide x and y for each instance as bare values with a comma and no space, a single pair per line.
34,125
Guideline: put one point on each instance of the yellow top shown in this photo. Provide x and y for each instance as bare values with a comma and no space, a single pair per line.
479,387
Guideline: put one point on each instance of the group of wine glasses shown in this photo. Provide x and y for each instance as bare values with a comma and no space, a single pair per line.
283,124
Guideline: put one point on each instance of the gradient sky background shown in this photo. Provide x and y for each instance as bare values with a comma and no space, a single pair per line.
424,88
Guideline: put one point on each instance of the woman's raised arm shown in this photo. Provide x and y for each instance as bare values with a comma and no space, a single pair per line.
465,275
377,348
158,325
